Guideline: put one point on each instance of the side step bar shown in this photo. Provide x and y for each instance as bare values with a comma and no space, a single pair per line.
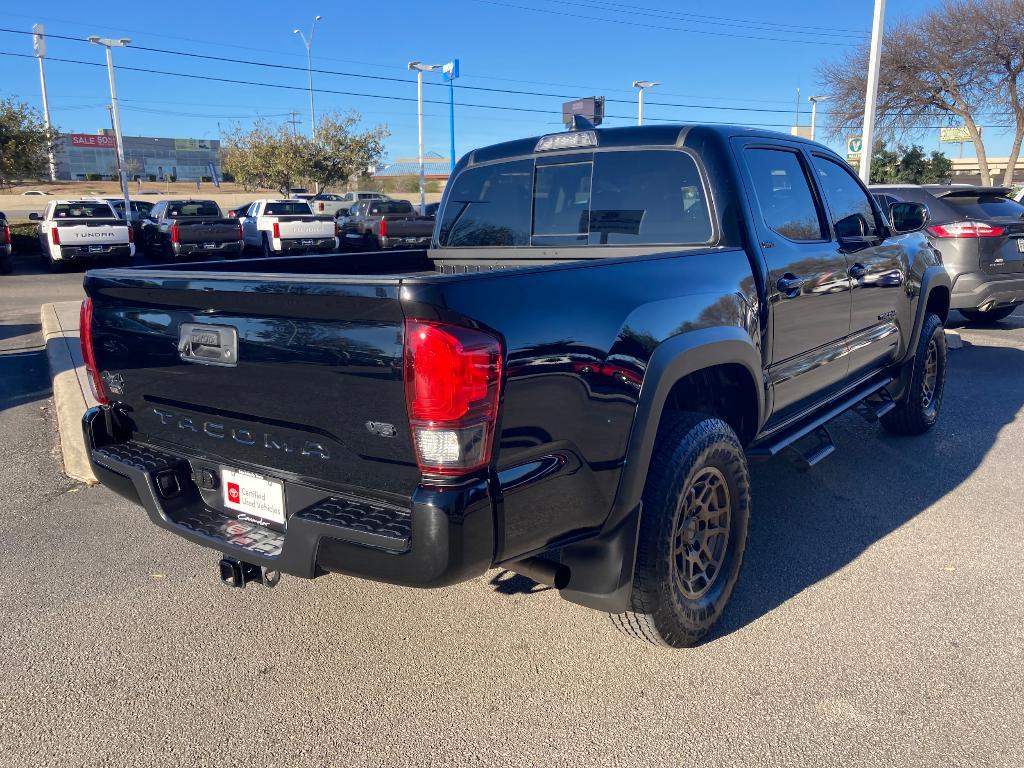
872,402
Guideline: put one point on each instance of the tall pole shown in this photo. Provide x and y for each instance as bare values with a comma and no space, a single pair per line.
419,123
451,126
39,44
815,100
308,43
110,109
641,86
867,135
108,44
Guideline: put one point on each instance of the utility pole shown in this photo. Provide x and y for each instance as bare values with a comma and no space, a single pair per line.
867,135
294,121
115,113
39,47
796,121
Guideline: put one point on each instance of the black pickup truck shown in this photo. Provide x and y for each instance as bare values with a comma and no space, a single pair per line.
569,383
372,225
193,228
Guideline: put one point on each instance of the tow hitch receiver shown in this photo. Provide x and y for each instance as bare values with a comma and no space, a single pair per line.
238,573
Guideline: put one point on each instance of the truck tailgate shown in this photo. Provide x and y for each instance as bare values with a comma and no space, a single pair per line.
313,392
409,226
96,232
208,231
321,227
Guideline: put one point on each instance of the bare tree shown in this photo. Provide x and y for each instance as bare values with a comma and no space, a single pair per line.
1003,50
934,68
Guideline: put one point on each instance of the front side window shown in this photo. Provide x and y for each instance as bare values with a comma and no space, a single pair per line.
784,194
852,213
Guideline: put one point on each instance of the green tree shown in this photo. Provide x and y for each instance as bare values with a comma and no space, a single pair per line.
24,142
909,165
270,157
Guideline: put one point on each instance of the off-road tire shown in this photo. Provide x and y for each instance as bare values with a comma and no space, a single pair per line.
918,409
695,455
991,316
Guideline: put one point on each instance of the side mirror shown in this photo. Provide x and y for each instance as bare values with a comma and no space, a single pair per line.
34,216
907,217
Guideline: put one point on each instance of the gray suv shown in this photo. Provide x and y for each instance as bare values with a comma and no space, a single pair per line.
980,233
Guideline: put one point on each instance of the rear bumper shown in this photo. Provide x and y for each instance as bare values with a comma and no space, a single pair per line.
445,536
305,244
198,249
82,252
405,242
974,290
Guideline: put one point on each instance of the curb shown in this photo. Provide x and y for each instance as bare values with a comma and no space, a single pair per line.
954,340
71,393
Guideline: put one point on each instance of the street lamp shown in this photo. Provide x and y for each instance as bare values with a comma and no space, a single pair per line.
419,68
815,100
641,86
308,42
108,44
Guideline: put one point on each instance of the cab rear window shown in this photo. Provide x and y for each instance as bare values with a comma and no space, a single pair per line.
643,197
83,210
288,208
194,208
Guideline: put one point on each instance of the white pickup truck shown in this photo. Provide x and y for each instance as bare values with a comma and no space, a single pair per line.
82,230
287,226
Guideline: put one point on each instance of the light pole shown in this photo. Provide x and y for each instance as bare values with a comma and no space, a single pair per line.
116,112
866,138
308,42
39,47
419,68
815,100
641,86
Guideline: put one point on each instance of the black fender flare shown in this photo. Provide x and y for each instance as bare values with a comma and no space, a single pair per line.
601,568
933,277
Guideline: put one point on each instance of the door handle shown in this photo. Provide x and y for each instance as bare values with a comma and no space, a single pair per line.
857,271
789,285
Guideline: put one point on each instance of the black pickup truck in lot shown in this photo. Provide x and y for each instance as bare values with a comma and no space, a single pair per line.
569,383
189,228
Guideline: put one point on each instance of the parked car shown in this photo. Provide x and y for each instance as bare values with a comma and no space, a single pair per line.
571,380
140,209
34,192
190,228
6,259
239,212
431,210
82,230
287,226
327,204
980,233
382,224
356,196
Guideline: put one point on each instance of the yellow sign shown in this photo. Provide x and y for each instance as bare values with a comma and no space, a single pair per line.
954,135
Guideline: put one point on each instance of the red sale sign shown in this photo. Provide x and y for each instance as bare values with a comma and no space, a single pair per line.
95,141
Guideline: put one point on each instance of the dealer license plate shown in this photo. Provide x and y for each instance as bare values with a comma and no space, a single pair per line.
307,242
209,246
1020,245
95,249
254,495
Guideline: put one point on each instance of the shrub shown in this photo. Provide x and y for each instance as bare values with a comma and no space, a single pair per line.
206,179
94,177
151,177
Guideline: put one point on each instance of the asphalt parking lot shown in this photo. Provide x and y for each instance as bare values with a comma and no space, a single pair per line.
879,619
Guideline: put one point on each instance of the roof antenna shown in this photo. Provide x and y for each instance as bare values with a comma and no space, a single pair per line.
580,123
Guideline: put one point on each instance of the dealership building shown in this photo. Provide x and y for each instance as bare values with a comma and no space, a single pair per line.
80,154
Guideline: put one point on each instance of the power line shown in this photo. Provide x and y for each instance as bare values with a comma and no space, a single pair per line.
659,27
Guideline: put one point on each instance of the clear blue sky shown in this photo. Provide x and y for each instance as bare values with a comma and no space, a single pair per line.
708,56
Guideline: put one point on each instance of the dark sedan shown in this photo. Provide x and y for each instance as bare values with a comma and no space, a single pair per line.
980,233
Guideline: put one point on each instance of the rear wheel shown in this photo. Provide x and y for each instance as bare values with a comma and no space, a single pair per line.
918,409
989,316
693,531
6,265
266,252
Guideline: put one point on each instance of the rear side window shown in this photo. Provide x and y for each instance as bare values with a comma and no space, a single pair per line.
784,194
852,214
648,198
194,208
614,198
84,210
288,208
984,206
489,206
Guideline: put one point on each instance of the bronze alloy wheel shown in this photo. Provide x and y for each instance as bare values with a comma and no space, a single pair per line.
930,379
701,534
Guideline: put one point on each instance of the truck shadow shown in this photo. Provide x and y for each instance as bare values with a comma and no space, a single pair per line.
808,525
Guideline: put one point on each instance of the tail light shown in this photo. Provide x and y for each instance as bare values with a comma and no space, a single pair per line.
321,205
337,229
966,229
5,235
99,391
131,233
383,227
277,231
55,236
452,388
175,233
